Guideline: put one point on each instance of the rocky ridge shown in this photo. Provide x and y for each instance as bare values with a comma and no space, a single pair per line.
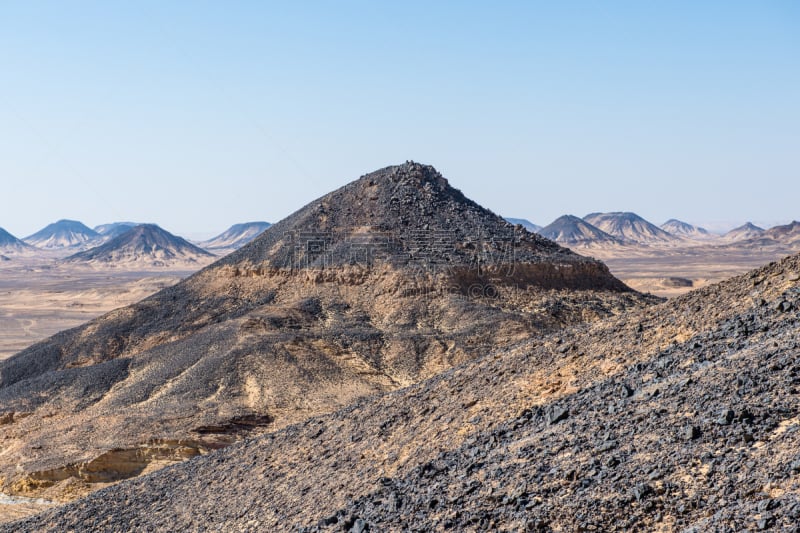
12,245
682,416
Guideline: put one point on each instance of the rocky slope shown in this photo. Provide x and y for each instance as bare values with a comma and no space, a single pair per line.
680,417
390,279
573,231
12,245
63,234
629,227
236,236
146,245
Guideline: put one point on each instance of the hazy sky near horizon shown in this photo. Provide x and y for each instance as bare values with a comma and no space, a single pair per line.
197,115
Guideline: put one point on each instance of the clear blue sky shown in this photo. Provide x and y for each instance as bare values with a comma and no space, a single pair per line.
196,115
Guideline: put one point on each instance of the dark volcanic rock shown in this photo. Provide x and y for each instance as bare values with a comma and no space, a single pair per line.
473,448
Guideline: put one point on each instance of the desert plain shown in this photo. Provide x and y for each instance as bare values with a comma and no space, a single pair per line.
40,296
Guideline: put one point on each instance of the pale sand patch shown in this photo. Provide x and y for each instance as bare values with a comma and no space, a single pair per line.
40,299
656,270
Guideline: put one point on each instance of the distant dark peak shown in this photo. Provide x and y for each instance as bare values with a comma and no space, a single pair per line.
751,226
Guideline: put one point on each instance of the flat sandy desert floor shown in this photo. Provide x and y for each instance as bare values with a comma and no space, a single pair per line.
670,272
39,299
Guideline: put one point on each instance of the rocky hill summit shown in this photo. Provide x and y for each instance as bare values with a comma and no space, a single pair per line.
143,245
682,416
63,234
629,227
388,280
570,230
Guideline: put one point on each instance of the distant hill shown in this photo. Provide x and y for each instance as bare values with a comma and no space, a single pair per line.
236,236
146,245
744,232
12,245
787,235
62,234
527,224
114,229
630,227
679,228
571,230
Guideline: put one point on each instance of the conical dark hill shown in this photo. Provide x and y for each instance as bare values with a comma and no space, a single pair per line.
146,245
388,280
408,216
